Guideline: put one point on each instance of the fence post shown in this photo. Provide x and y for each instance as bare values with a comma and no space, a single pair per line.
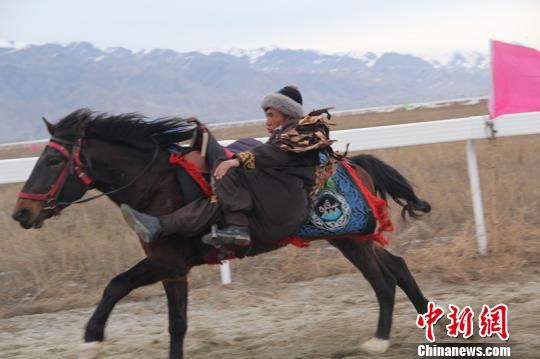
478,209
225,271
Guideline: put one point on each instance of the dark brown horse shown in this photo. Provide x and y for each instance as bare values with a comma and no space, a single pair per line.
124,157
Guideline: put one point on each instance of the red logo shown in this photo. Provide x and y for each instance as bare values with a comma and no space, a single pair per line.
460,321
429,319
494,321
491,321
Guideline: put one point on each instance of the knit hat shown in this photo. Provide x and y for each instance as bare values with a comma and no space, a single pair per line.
288,101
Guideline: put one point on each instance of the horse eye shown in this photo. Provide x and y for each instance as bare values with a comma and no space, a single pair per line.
54,161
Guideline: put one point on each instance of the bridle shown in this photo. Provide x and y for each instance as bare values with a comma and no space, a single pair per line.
74,166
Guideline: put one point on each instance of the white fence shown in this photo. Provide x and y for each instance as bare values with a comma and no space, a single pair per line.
419,133
337,114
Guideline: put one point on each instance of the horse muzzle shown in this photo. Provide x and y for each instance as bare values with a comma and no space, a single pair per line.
30,214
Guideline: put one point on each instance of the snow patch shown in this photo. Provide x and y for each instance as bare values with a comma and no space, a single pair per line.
15,45
252,54
468,60
369,58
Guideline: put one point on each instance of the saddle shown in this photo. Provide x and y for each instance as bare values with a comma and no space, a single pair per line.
197,158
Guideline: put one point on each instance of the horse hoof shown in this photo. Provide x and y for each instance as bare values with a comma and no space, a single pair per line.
375,346
89,350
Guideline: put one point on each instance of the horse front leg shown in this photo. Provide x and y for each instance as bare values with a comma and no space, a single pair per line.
143,273
177,299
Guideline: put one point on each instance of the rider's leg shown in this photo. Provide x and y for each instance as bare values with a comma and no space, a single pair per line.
197,217
235,202
193,219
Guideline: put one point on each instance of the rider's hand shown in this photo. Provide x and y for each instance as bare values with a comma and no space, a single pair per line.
223,167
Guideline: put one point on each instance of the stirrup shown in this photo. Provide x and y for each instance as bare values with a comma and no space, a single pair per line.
230,235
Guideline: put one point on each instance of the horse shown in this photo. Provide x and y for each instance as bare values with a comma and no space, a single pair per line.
125,157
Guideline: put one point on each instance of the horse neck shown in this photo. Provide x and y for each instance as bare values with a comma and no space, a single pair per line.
114,166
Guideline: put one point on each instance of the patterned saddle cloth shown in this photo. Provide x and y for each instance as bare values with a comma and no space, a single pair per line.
339,208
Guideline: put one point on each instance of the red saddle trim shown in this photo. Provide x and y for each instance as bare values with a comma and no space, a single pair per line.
378,205
193,170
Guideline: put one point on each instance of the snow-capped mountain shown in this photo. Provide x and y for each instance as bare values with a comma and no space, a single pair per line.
471,60
55,79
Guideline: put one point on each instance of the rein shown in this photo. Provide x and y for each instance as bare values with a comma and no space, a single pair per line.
75,166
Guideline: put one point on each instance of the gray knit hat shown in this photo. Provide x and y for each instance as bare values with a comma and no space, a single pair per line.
288,101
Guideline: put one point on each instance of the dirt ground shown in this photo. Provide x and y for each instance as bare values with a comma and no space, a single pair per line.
323,318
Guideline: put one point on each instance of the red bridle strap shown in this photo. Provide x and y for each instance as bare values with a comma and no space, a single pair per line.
54,188
60,149
78,167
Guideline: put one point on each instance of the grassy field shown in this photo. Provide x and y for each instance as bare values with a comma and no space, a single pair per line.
67,263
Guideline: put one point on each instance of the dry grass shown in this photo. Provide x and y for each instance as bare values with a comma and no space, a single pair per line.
67,263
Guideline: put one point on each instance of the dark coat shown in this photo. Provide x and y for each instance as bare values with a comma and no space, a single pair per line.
271,187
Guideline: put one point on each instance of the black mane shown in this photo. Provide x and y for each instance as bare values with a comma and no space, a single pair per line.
131,129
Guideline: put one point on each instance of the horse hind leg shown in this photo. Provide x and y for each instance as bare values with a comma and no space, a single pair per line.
177,297
363,257
405,279
89,350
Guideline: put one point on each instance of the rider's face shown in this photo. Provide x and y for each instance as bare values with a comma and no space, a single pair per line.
274,119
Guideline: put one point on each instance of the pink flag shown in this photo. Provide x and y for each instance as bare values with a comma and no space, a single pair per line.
515,79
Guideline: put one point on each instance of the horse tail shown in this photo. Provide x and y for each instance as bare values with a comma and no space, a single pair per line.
388,181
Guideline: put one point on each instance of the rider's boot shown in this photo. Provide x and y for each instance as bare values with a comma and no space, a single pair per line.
148,228
232,234
235,232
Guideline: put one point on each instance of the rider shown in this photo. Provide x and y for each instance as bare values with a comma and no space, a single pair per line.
262,192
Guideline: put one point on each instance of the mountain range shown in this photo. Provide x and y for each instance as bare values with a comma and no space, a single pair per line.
52,80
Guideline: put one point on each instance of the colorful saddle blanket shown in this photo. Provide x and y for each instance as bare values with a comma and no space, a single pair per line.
339,208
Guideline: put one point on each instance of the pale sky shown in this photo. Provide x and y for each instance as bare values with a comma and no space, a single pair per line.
413,26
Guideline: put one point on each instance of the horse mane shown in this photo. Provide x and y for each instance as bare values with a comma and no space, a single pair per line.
131,129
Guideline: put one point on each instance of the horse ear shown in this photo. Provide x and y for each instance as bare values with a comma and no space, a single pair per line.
50,126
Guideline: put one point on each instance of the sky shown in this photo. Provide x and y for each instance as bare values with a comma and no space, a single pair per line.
415,26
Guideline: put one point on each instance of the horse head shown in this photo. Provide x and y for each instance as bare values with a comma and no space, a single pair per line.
87,151
58,176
